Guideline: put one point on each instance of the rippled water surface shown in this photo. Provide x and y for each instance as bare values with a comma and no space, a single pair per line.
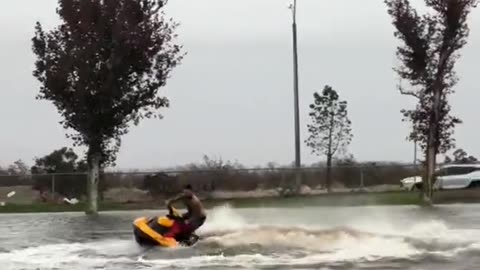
262,238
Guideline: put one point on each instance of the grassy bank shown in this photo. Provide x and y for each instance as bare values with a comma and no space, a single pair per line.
338,199
330,200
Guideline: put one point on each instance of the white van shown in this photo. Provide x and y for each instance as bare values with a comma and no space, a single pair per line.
454,176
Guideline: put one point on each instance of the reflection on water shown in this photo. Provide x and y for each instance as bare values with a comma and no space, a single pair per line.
266,238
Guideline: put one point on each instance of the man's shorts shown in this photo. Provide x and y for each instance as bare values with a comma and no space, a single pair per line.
195,224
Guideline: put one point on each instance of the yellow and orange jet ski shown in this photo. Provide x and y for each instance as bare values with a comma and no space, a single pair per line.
164,231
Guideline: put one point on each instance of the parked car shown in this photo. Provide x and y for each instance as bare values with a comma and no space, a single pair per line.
411,183
455,176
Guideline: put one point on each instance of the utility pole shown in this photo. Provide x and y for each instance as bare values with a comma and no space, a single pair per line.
295,92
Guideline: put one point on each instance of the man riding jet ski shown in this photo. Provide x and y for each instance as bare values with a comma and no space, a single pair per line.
173,229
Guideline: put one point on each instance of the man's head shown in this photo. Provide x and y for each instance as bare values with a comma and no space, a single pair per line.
187,187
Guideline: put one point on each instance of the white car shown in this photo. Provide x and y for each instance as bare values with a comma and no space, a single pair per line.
455,176
411,183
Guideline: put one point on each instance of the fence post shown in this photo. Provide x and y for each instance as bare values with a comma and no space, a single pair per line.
53,187
361,178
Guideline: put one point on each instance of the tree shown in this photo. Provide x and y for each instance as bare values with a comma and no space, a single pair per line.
18,168
102,67
330,130
460,156
65,162
428,54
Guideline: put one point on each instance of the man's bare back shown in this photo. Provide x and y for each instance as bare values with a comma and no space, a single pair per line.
193,204
196,215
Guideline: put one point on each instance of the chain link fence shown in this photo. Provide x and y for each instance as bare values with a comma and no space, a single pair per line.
133,187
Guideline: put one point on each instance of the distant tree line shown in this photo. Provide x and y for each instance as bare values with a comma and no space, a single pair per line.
460,156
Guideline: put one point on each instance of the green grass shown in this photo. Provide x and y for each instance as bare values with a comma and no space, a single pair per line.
349,199
50,207
40,207
328,200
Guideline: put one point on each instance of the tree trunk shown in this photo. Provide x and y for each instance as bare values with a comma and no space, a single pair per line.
432,143
428,177
434,128
330,150
92,184
329,173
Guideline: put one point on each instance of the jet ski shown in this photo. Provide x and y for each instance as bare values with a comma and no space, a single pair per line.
164,231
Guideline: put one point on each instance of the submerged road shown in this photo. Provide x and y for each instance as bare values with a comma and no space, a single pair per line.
400,237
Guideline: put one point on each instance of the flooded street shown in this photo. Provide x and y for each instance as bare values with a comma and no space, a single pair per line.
400,237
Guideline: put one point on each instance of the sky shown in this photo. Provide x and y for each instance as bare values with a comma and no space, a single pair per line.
232,96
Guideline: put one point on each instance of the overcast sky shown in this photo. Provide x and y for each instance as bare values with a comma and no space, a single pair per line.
232,96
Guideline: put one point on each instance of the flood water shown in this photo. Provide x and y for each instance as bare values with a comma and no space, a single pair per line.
399,237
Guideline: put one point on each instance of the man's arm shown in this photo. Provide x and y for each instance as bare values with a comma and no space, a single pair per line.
175,199
180,196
